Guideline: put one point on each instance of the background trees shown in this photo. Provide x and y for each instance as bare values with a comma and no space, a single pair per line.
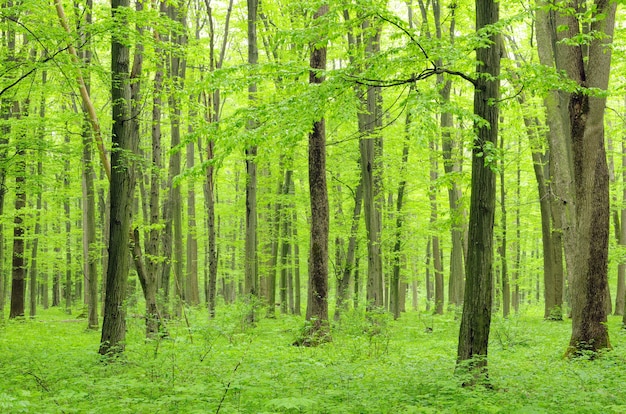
228,83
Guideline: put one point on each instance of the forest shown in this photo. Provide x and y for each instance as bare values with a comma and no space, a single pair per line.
332,206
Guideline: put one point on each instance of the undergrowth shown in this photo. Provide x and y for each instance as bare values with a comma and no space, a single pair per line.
372,365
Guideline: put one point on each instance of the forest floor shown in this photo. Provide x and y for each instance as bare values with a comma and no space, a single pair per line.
48,365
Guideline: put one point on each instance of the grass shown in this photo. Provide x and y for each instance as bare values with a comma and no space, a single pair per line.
51,365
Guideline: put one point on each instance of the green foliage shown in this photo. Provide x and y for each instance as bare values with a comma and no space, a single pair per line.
373,365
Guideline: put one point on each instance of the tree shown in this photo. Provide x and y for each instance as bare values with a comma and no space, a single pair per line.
576,120
477,303
317,304
18,264
371,146
251,276
121,189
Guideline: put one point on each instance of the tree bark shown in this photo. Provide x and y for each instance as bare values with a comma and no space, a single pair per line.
477,304
177,66
317,304
251,269
121,190
620,297
584,173
436,251
68,237
370,120
506,287
18,267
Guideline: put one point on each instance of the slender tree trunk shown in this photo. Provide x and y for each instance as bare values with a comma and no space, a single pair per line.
33,271
285,239
121,190
251,269
395,283
620,296
177,74
90,266
296,272
506,288
370,120
68,237
343,283
18,272
476,318
429,283
436,251
209,187
193,295
274,234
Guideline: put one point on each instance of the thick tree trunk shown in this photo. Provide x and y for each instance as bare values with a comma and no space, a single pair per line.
317,304
121,190
584,174
477,304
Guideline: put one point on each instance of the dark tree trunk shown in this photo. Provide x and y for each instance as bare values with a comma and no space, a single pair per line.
317,305
476,319
18,267
251,269
121,190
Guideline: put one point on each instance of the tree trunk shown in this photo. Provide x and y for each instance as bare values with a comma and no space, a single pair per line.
343,282
68,237
193,295
317,304
395,282
506,288
177,74
296,271
251,275
121,190
285,240
584,175
33,271
476,318
370,120
436,251
620,296
90,266
18,271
